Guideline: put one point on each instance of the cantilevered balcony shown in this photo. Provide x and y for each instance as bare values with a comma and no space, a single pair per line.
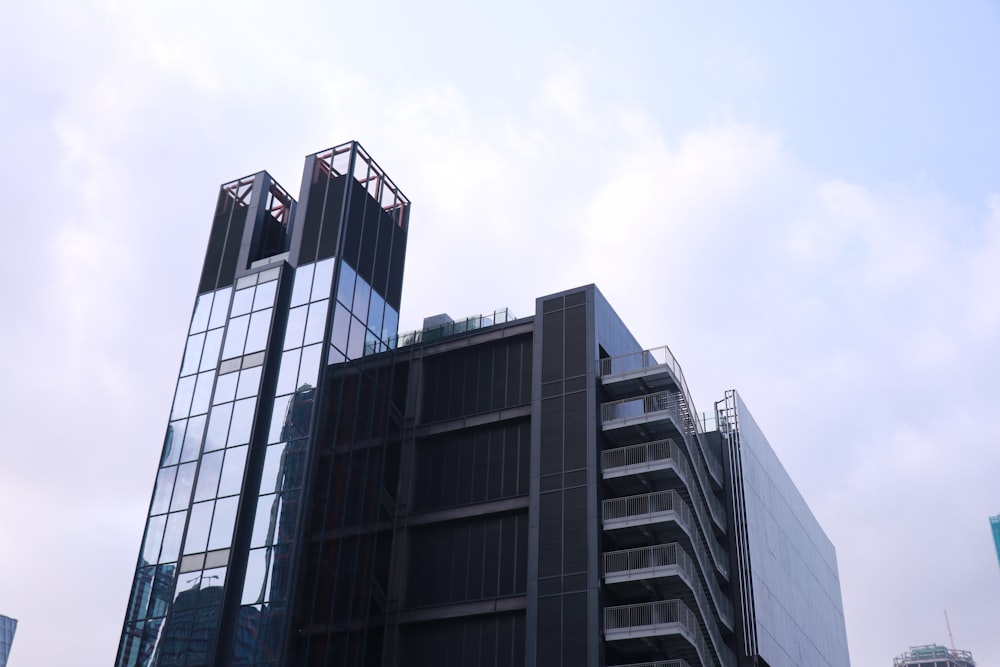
662,561
665,514
651,415
658,460
665,618
641,372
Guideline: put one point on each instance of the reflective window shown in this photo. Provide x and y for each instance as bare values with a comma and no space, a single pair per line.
390,324
309,369
172,537
182,399
376,310
161,493
289,371
356,343
265,295
208,476
202,393
192,354
172,443
341,328
223,522
273,463
153,540
239,431
242,302
316,324
225,388
218,427
192,438
322,280
295,327
182,487
185,583
362,290
265,521
236,336
335,356
232,472
260,570
198,527
282,405
202,307
302,286
260,323
220,308
249,382
210,358
345,287
161,590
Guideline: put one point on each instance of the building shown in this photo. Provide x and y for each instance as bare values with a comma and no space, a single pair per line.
7,628
934,656
492,491
995,525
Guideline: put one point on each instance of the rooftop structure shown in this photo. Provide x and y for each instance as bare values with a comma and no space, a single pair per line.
933,655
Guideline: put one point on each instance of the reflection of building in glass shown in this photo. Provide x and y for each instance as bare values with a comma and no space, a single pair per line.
934,656
492,491
7,628
995,525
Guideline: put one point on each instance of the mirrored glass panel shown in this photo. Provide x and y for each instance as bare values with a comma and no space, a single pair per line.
172,443
239,430
187,584
316,324
153,540
345,287
210,358
182,487
266,521
270,480
163,489
249,382
242,302
302,286
220,308
356,343
308,370
208,476
182,399
280,414
192,354
265,295
172,537
322,280
218,427
162,585
341,328
260,324
376,310
202,393
198,527
254,589
223,522
390,324
362,291
202,308
295,327
232,472
225,388
192,438
288,372
236,336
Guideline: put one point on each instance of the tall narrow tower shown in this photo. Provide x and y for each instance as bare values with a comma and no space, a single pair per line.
287,288
995,525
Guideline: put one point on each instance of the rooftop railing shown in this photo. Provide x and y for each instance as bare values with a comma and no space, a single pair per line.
470,323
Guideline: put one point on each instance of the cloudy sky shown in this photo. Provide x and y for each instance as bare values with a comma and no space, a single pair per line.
802,204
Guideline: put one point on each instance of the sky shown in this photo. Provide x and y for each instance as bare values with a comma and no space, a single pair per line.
803,202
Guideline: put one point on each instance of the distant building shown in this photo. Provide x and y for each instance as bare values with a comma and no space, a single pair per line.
934,656
995,524
7,628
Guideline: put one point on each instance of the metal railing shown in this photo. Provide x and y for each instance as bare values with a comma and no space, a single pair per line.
662,451
646,560
649,618
647,505
470,323
658,663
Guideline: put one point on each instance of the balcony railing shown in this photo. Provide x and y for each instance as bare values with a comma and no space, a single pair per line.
649,508
471,323
658,663
649,619
649,562
657,454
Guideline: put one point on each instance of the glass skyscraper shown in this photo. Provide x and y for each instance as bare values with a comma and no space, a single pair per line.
490,491
7,628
